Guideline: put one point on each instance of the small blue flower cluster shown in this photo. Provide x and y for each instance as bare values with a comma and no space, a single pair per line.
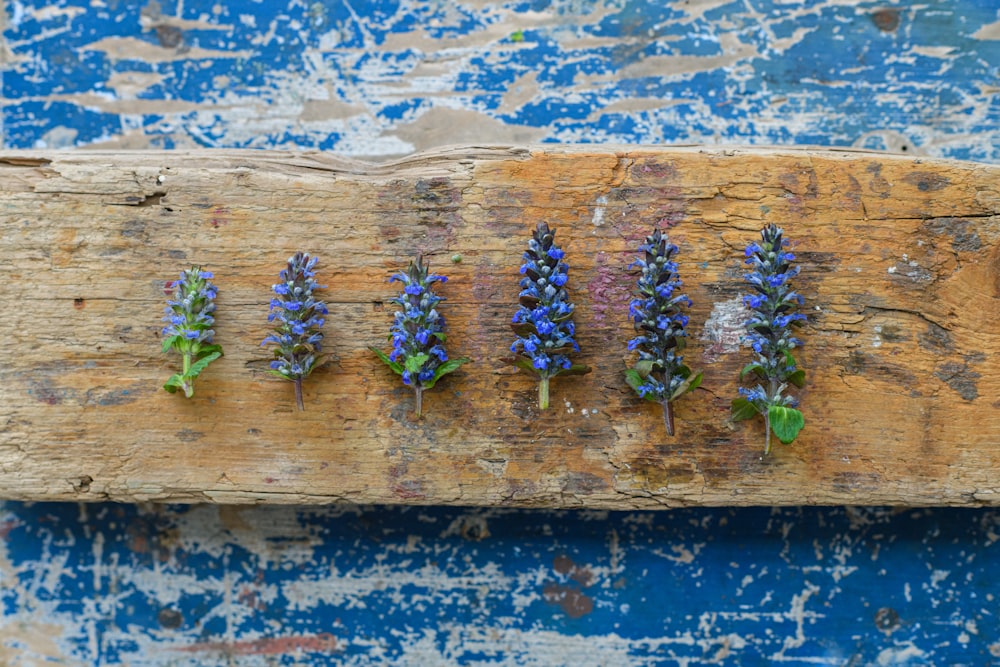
417,332
189,330
543,322
189,313
299,318
769,331
657,315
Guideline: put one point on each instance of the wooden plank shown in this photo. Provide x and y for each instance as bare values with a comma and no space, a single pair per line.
899,270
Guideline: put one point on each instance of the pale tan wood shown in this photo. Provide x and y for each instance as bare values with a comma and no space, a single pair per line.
899,264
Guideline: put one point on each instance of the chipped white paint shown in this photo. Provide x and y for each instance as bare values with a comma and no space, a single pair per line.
602,204
725,328
906,655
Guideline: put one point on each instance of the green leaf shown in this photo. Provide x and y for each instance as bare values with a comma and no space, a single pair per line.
394,365
683,371
525,364
169,343
753,368
205,350
644,367
441,336
633,378
445,368
743,409
575,369
690,384
174,383
415,363
789,359
200,365
785,422
798,378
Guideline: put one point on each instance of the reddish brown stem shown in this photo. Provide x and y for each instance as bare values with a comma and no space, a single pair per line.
668,416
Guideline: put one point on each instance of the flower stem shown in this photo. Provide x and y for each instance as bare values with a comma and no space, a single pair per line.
418,392
298,394
543,393
668,416
188,383
767,434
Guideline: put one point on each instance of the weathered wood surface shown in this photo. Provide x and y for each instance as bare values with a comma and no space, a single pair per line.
899,271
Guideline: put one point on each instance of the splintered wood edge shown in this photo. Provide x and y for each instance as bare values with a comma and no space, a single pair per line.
899,260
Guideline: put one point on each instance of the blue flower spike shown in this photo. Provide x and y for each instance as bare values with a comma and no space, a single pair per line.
189,327
657,312
772,307
418,333
299,318
544,321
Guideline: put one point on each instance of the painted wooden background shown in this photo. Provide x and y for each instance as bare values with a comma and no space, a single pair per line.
105,584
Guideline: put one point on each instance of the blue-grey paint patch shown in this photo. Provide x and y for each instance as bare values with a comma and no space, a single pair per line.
373,80
108,584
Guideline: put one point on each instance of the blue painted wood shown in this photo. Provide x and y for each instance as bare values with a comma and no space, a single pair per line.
381,79
433,586
107,584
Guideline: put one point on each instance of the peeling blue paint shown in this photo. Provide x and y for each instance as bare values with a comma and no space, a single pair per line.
914,76
435,585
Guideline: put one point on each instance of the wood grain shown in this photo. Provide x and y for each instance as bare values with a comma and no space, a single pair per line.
899,264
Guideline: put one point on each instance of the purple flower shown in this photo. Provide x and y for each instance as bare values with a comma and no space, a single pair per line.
417,332
772,304
189,329
297,336
755,395
657,316
551,317
666,289
545,276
